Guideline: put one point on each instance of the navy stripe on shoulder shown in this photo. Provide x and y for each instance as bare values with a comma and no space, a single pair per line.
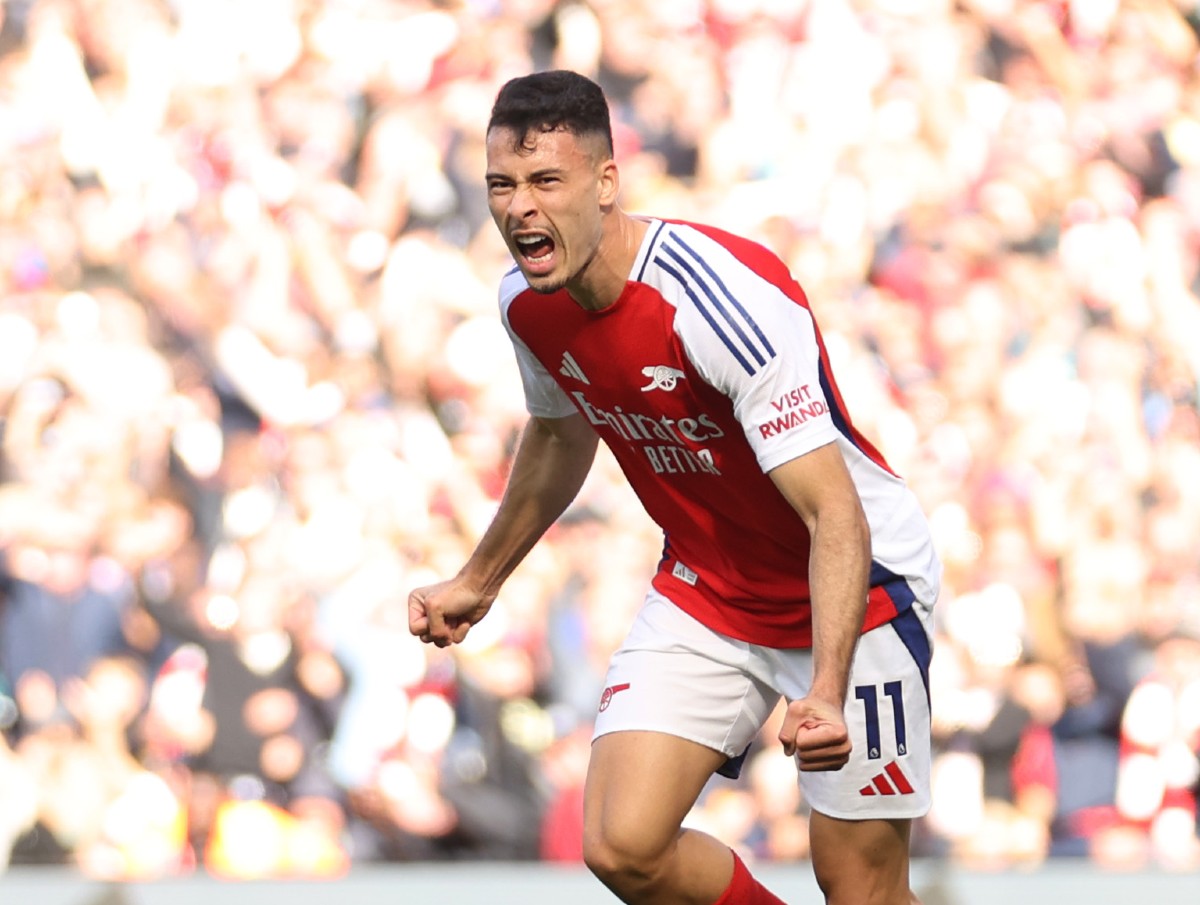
650,250
705,313
725,315
750,322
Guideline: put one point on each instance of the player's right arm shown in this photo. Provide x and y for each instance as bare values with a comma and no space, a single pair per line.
550,465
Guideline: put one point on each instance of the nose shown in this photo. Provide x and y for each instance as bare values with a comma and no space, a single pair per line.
521,204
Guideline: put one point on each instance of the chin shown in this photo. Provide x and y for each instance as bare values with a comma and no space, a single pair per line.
545,285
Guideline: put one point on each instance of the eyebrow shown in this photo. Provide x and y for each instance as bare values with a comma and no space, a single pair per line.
536,174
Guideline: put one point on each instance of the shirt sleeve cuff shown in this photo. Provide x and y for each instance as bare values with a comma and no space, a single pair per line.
772,456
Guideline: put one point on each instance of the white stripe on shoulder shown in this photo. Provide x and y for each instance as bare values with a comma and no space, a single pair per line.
512,284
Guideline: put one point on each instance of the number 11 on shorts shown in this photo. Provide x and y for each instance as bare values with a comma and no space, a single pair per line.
869,695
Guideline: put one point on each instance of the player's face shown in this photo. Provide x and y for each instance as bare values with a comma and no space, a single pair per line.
548,196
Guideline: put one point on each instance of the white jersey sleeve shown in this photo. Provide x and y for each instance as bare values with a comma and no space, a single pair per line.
544,398
751,341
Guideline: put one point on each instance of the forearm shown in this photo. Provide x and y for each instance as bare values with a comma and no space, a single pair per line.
819,488
839,570
548,470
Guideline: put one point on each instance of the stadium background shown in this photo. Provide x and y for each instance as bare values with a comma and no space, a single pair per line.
253,389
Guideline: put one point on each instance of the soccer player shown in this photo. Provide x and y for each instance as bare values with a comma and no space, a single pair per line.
795,564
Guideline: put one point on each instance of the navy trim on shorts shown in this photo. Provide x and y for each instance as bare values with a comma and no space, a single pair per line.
897,588
912,634
732,768
907,623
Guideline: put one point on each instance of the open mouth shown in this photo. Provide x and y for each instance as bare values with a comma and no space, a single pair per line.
536,249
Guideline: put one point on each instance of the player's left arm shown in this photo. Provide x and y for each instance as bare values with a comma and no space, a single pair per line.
819,487
764,353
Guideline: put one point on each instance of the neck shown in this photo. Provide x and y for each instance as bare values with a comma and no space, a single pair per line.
603,280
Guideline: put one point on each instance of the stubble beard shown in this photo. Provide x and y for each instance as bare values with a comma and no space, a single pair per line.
546,286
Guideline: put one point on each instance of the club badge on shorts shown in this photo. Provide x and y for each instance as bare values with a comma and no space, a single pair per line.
607,696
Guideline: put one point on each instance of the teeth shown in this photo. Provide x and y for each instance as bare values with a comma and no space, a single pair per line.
529,240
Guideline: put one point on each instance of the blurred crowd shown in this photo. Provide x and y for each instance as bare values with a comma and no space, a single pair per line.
253,389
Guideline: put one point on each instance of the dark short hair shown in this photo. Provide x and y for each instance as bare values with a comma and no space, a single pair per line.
548,101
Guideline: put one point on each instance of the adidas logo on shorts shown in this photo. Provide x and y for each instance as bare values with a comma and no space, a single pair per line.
891,781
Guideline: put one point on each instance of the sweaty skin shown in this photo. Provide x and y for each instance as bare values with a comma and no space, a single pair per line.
559,187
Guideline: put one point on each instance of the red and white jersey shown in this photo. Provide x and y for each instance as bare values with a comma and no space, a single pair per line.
706,373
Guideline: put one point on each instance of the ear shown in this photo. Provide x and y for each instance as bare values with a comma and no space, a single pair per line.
609,183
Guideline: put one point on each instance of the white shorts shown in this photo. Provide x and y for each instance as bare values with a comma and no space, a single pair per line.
673,674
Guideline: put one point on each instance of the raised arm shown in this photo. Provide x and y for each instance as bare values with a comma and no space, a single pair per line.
819,487
550,465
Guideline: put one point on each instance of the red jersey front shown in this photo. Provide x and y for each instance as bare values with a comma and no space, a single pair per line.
706,373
